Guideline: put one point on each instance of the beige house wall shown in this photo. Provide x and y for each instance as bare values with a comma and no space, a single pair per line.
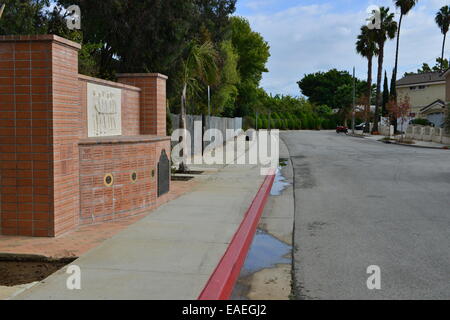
422,98
448,89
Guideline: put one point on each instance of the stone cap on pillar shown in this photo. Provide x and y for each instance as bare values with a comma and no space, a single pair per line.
40,38
142,75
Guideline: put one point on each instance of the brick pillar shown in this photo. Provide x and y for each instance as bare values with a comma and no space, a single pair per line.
153,100
39,134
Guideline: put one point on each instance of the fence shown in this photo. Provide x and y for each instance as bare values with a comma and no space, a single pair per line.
205,123
427,133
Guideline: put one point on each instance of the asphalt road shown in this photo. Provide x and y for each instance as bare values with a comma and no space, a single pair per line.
361,203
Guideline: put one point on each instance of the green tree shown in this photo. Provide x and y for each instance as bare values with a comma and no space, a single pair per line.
443,21
344,96
149,36
388,30
321,87
447,120
225,92
367,48
440,65
253,52
22,17
199,65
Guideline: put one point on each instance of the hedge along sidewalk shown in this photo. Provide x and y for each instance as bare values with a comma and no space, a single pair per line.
169,254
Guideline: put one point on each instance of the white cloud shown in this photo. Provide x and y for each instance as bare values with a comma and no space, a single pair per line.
313,38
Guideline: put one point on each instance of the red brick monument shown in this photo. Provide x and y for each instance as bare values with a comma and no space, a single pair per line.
75,149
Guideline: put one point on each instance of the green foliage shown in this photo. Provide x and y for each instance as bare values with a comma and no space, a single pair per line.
252,49
291,113
441,64
24,17
248,122
443,19
199,67
253,52
225,92
421,122
332,88
447,120
169,125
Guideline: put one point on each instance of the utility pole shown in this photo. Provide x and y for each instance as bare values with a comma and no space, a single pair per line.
209,101
2,8
354,102
209,112
270,120
209,106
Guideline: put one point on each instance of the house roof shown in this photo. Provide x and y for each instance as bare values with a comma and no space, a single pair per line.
438,104
446,73
421,78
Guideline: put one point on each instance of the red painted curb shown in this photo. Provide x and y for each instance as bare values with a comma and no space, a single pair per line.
221,283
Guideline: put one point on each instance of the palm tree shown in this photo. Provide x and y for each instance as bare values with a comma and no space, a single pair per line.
200,66
387,31
405,7
366,47
443,21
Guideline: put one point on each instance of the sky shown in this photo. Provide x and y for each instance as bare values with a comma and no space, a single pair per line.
308,36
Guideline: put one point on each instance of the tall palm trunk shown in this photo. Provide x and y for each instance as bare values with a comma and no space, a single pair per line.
379,97
443,50
183,167
369,93
394,76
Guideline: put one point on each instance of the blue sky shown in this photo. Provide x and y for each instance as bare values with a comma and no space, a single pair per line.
315,35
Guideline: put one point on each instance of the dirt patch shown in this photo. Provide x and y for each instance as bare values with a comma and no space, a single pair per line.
182,179
22,271
190,172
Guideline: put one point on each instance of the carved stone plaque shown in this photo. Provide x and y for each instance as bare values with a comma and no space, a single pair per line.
104,107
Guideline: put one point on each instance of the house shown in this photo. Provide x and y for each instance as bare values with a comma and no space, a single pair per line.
427,95
446,75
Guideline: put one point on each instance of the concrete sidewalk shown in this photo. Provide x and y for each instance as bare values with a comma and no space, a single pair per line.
169,254
417,143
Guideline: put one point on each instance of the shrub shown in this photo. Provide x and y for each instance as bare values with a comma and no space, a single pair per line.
291,124
260,123
421,122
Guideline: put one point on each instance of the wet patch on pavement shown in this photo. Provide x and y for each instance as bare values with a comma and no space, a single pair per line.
266,252
280,183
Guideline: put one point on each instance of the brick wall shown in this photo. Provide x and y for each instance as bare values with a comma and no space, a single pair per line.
130,105
51,174
39,114
124,197
153,100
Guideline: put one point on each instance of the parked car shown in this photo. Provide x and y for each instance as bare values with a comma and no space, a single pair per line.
361,126
341,129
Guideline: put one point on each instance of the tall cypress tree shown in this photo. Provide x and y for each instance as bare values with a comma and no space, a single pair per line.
386,95
393,91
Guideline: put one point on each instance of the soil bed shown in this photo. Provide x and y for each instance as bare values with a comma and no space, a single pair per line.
190,172
177,178
16,272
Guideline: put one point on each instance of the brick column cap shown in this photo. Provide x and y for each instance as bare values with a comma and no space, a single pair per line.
41,37
142,75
